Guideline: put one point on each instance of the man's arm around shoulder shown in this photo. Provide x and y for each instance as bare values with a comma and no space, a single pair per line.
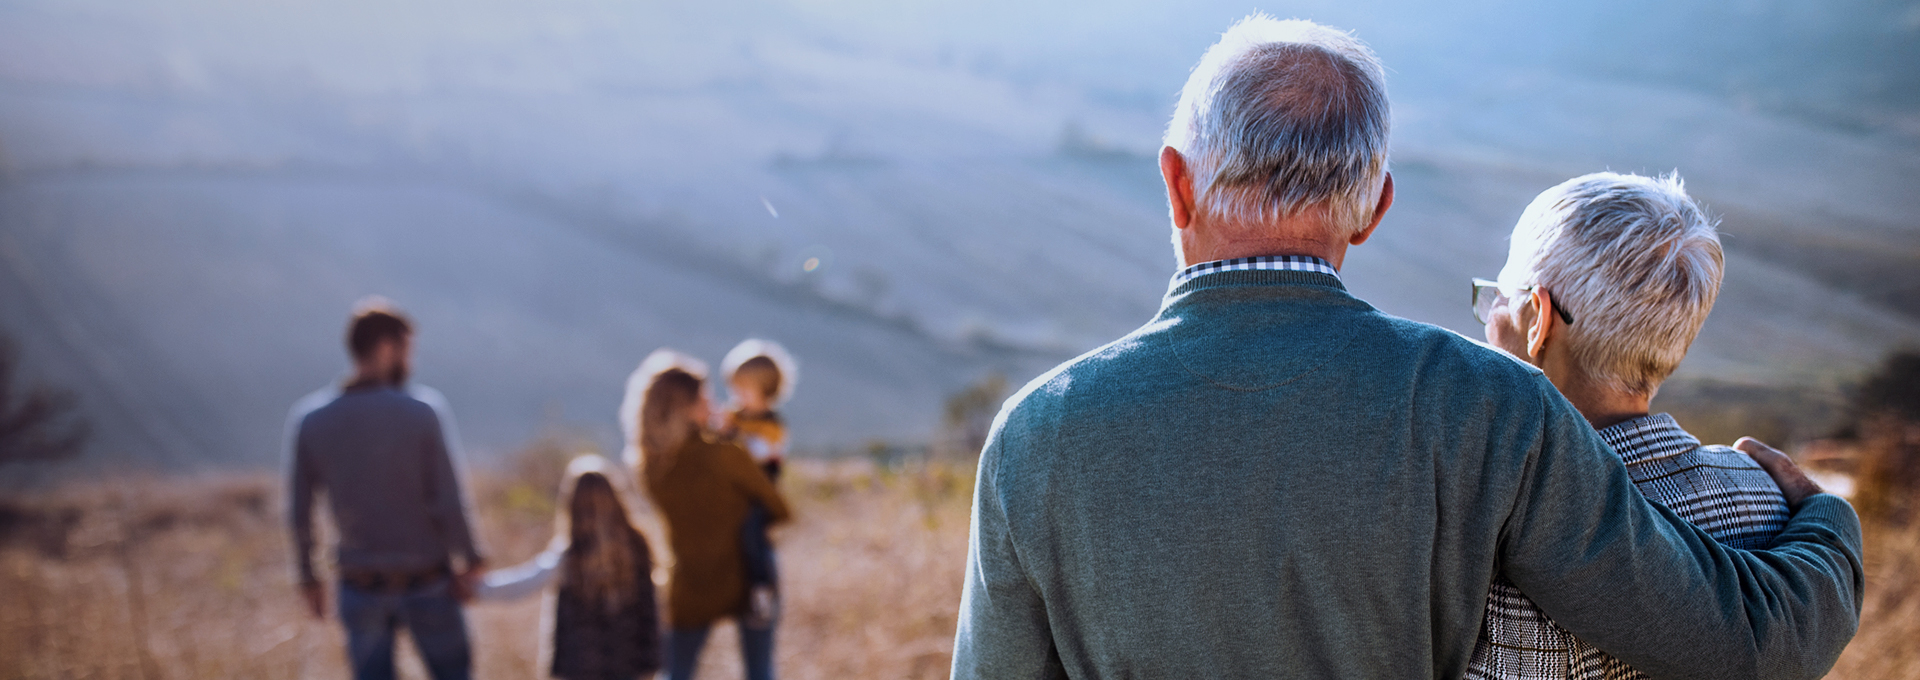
1659,593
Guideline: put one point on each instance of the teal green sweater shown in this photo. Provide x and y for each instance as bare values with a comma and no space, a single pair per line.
1273,479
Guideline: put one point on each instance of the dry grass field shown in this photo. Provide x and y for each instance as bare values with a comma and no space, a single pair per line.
172,578
175,578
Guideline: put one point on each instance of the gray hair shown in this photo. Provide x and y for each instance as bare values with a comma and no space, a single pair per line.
1635,261
1281,117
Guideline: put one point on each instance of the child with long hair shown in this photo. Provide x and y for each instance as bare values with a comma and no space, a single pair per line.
602,620
704,490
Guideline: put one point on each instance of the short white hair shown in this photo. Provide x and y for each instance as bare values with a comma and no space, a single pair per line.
1633,259
1281,117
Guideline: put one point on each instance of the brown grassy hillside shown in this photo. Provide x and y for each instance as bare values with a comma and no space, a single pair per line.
173,578
167,578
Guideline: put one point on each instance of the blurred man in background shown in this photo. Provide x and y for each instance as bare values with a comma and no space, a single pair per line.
384,453
1273,479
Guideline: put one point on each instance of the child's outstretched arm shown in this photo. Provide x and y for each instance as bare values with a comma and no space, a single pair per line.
520,580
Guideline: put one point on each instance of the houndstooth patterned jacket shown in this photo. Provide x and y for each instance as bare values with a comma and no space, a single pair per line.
1714,487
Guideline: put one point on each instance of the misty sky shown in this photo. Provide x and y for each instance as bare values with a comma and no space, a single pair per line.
194,191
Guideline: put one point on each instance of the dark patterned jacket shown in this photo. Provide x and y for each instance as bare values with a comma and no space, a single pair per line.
592,643
1713,487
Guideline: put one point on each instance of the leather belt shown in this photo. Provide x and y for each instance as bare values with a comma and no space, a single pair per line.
388,580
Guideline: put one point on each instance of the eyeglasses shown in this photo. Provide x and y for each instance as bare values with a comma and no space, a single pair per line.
1485,293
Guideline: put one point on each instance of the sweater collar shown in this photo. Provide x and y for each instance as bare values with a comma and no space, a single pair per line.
1252,277
1298,263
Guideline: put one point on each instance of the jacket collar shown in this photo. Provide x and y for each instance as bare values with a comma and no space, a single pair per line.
1648,438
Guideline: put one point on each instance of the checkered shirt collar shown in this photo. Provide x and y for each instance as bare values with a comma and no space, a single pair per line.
1648,438
1298,263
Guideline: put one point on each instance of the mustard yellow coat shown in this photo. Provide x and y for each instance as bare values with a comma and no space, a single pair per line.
704,497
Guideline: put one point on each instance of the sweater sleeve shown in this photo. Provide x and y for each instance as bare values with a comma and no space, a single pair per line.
1003,630
520,580
445,500
454,506
1646,586
302,486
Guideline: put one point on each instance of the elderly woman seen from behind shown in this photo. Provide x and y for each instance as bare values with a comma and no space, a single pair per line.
703,490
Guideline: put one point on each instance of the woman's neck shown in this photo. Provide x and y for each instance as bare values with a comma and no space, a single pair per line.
1603,405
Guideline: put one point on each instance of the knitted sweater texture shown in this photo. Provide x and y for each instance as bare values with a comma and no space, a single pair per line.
1273,479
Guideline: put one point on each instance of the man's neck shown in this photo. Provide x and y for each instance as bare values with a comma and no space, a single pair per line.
363,379
1217,247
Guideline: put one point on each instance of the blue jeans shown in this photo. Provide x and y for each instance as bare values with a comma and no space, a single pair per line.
683,651
431,616
762,570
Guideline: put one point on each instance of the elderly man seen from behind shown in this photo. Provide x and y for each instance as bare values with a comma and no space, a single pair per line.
1641,263
1273,479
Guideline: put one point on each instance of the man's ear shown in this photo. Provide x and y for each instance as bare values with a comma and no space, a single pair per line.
1544,322
1173,171
1379,211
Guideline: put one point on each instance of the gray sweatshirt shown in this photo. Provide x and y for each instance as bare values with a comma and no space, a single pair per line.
385,459
1271,479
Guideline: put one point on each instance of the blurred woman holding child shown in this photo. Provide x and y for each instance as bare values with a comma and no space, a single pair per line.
601,622
706,490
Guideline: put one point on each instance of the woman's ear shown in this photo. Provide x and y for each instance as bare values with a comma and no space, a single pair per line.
1543,324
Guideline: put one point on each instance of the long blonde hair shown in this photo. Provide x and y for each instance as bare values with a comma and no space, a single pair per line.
654,413
604,552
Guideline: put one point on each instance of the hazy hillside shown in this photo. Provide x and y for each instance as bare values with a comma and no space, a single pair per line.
910,194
